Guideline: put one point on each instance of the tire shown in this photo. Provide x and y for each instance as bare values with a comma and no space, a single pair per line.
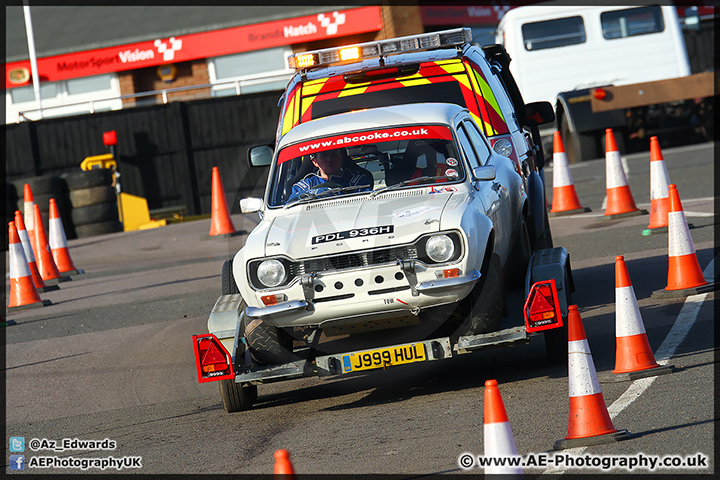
92,229
88,178
229,287
237,397
517,263
102,212
556,340
545,240
48,184
43,201
578,146
487,301
84,197
268,344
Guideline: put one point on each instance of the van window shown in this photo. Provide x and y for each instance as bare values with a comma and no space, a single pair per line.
631,22
558,32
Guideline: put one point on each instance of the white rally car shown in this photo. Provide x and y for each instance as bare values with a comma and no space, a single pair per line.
397,257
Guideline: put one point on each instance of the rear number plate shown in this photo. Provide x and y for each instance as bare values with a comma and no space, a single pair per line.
384,357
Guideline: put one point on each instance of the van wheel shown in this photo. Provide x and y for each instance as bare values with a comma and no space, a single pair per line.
578,146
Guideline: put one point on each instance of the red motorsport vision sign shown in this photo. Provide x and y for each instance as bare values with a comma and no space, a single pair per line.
414,132
338,23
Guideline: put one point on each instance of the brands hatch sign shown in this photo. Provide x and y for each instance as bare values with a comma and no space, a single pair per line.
183,48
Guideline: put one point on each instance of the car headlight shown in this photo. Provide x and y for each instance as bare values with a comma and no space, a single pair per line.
440,248
271,273
503,147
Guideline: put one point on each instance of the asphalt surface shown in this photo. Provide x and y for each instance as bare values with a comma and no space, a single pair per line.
112,358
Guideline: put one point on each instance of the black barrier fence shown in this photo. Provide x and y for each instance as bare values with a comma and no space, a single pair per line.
165,153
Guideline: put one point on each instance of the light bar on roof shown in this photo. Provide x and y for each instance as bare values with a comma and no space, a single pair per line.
392,46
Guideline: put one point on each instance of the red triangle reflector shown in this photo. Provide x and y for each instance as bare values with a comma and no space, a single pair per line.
540,303
213,355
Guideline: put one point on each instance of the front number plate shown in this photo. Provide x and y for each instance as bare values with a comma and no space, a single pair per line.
384,357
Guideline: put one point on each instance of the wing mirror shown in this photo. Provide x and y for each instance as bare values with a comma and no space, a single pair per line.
260,155
539,112
251,205
484,173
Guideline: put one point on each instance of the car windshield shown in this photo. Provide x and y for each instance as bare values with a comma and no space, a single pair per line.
362,162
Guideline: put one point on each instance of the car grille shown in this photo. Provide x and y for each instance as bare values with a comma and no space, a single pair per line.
356,260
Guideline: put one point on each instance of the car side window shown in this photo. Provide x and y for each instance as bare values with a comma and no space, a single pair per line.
467,147
479,141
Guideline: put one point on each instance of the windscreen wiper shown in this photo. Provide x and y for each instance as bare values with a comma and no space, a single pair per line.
405,183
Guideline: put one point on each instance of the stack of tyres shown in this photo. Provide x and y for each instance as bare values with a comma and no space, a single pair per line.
43,189
94,202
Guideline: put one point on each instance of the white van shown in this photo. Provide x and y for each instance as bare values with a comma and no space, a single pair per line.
557,48
562,53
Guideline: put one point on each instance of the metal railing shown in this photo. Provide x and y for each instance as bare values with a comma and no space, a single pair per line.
91,104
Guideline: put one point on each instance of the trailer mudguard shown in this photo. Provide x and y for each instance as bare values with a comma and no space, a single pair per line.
552,263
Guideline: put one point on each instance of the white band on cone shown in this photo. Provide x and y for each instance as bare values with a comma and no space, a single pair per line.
628,320
18,265
499,440
27,248
659,181
581,370
57,234
614,172
561,171
679,240
28,216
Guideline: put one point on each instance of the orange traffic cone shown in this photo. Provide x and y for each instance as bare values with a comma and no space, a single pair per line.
30,256
632,353
46,264
499,441
221,224
29,201
589,421
659,187
283,466
619,198
58,242
22,290
565,199
684,270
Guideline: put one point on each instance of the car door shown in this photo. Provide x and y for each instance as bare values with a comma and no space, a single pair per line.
495,193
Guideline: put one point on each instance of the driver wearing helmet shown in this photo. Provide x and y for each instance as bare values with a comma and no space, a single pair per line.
329,164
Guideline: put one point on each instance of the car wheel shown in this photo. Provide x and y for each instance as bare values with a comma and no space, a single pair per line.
488,298
229,287
517,263
237,397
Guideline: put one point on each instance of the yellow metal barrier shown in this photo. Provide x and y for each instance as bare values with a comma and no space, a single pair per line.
132,210
134,213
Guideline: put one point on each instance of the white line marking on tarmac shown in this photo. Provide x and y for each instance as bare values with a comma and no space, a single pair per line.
678,332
